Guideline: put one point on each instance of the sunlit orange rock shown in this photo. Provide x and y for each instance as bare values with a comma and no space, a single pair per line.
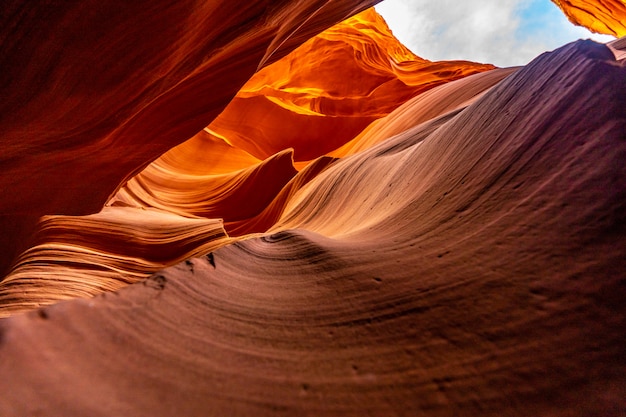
471,264
82,256
302,102
600,16
94,91
436,102
425,245
236,195
329,89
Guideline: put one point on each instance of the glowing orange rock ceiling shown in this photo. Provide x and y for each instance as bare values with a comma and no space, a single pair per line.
250,215
600,16
329,89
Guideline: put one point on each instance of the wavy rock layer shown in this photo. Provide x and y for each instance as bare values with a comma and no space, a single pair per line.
463,254
212,176
362,75
429,105
82,256
470,265
301,102
600,16
88,90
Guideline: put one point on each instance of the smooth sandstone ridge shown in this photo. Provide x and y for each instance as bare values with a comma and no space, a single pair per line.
459,254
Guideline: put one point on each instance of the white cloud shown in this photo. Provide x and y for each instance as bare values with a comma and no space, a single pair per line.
501,32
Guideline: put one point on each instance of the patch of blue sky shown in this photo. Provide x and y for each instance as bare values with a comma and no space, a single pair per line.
543,19
501,32
536,15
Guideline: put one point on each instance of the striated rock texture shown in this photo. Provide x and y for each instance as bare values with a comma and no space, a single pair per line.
460,254
470,265
313,101
93,91
215,176
81,256
600,16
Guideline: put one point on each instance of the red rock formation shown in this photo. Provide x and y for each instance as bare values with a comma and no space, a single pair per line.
82,256
208,178
301,102
471,265
329,89
461,255
599,16
429,105
94,91
236,195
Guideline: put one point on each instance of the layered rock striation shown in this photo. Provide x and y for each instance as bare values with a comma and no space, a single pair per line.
235,230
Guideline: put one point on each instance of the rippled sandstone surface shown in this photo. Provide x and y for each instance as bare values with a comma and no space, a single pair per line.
450,243
217,177
93,92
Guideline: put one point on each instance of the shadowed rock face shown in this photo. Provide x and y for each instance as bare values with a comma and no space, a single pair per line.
462,254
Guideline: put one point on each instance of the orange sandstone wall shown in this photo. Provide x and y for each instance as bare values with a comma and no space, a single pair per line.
329,89
471,265
93,91
313,100
600,16
462,254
